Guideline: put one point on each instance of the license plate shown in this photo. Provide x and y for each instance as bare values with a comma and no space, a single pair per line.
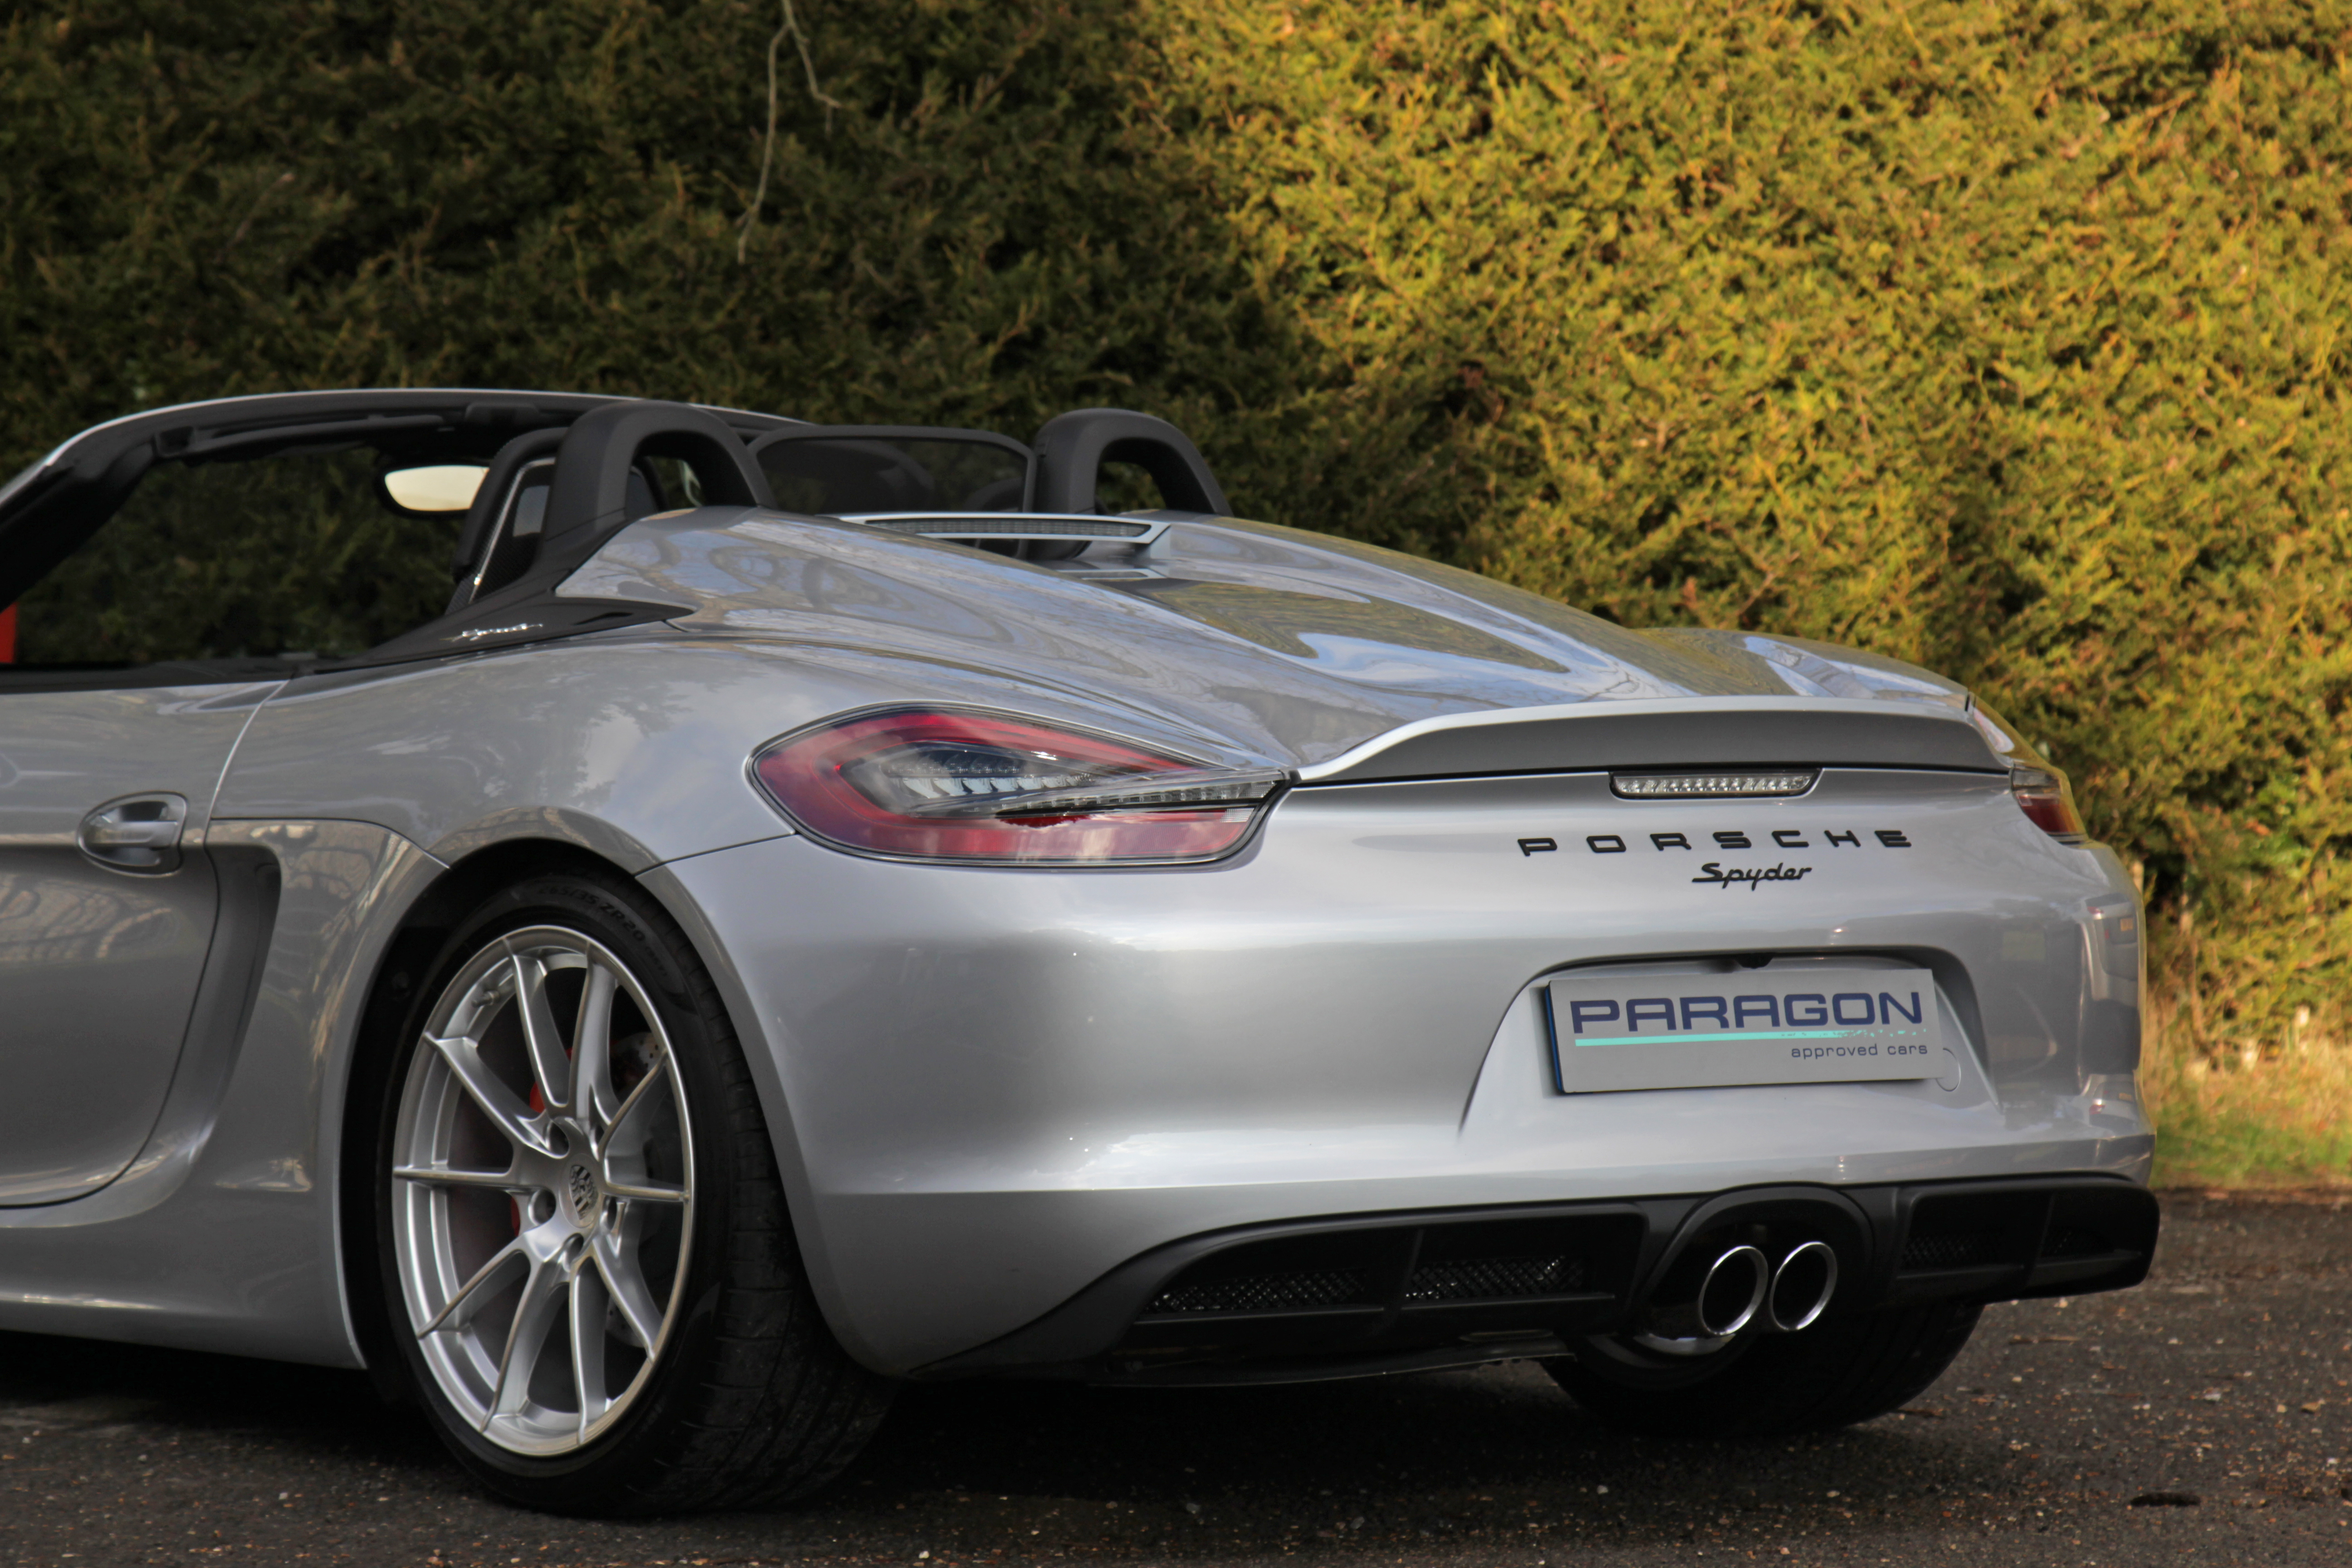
1702,1031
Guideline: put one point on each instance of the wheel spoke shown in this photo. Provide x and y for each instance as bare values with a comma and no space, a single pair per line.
588,1305
639,1096
635,1303
645,1192
543,1297
549,1064
494,1099
591,1050
537,1350
443,1176
458,1309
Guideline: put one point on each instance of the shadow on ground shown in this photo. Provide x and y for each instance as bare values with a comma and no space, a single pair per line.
2225,1380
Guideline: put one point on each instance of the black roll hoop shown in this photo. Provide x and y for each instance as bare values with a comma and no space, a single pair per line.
1072,449
591,490
491,496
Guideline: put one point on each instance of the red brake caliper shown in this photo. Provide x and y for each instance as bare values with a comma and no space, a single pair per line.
514,1205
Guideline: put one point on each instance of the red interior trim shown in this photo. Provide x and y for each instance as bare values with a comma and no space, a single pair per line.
8,635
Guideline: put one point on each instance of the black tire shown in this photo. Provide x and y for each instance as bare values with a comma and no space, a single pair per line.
744,1396
1846,1368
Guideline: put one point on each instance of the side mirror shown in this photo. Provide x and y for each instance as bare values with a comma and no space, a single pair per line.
434,490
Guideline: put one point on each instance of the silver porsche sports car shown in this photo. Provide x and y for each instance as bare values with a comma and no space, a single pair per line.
646,926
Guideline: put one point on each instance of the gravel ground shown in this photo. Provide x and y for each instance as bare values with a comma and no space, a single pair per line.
2204,1418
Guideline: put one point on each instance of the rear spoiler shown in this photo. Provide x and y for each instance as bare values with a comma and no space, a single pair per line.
1671,733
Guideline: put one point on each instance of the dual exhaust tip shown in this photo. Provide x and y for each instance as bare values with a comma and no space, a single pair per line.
1742,1289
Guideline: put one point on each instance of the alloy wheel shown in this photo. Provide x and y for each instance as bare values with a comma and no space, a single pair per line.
543,1191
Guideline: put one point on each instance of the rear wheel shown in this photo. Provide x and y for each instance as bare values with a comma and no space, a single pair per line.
584,1255
1846,1368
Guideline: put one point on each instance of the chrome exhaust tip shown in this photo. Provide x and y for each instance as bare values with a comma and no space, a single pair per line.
1732,1290
1801,1287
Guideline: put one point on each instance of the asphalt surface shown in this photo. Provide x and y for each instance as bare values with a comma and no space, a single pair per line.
2203,1418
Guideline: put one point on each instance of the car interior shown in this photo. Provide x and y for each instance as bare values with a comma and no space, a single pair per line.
259,537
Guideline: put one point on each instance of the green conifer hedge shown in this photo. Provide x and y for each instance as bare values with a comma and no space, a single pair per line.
2007,337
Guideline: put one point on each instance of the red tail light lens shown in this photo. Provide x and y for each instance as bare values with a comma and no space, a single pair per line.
2039,789
2042,793
941,784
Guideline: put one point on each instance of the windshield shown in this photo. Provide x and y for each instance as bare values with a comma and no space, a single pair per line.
293,555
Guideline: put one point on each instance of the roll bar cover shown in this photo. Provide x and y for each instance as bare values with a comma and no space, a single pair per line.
1072,449
491,496
591,490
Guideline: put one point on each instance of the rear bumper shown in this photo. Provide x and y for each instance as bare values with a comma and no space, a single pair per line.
1364,1295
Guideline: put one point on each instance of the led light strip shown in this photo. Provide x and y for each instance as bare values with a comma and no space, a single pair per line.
1238,787
1714,785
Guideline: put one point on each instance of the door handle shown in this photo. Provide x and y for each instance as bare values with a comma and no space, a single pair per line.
139,833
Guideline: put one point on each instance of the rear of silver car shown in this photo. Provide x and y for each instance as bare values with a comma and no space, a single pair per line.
1156,948
1648,1026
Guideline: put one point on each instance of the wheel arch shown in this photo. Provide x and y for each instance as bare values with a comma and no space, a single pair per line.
761,1049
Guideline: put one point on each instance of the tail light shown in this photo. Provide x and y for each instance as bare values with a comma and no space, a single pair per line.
941,784
2042,796
2039,789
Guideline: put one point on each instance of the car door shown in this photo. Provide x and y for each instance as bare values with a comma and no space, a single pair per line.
107,910
166,572
163,574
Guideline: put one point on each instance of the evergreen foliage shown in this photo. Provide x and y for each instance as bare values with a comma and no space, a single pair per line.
2006,337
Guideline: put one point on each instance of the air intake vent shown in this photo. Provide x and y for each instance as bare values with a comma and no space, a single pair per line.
1495,1279
1008,525
2076,1242
1266,1293
1963,1249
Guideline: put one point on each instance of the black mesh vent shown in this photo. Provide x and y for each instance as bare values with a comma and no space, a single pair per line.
1495,1279
2075,1242
1265,1292
1956,1250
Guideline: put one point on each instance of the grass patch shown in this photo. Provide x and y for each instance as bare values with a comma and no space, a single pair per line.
2248,1113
